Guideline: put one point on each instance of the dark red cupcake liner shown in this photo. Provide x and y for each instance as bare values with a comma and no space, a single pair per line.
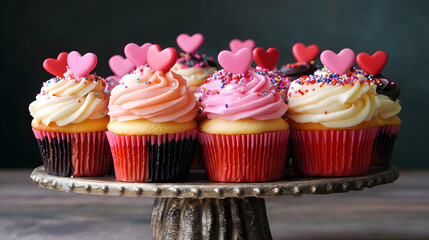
332,153
152,158
383,145
244,158
74,154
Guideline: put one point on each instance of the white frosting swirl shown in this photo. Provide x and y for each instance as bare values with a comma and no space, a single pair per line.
69,100
388,108
333,106
194,76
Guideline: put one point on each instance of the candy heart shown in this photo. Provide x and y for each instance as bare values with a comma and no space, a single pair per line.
266,59
137,54
236,44
236,62
161,60
79,65
190,44
120,66
372,64
338,63
305,54
56,67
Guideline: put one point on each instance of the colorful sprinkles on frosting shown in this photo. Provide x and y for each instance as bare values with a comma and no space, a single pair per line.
278,80
333,79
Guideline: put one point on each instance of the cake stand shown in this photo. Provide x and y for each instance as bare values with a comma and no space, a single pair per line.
200,209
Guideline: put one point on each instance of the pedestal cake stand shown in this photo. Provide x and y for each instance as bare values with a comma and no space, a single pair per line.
200,209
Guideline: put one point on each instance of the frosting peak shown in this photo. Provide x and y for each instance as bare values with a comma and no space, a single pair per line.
152,95
240,96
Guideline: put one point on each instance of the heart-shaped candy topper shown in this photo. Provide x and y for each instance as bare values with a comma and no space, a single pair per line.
236,62
236,45
305,54
190,44
120,66
79,65
56,67
338,63
137,54
161,60
266,59
372,64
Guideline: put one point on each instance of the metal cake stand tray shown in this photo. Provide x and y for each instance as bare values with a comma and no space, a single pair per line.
201,209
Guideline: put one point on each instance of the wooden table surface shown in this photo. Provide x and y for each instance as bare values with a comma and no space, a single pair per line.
395,211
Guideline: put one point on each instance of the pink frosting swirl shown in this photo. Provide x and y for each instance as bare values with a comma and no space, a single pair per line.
246,95
152,95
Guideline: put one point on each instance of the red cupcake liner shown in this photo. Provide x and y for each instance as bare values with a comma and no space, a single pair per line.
152,158
74,154
244,158
383,145
332,153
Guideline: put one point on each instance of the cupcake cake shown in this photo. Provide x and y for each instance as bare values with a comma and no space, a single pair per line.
194,67
244,138
152,131
305,61
332,118
70,117
387,95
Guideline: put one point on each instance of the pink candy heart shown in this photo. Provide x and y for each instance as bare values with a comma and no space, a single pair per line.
137,54
338,63
190,44
79,65
236,62
120,66
161,60
236,44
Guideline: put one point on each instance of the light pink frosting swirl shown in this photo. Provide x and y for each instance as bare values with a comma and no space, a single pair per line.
152,95
247,95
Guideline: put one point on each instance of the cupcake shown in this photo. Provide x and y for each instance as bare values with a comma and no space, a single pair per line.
332,119
305,61
194,67
152,131
387,95
70,117
244,138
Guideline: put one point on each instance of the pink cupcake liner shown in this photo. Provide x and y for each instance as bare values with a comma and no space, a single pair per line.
74,154
152,158
245,158
383,145
332,153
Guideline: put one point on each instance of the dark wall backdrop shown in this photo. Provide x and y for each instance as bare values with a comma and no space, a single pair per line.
34,30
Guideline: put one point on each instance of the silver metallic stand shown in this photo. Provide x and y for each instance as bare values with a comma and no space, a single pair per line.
200,209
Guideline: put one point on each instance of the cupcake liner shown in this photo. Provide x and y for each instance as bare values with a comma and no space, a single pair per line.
74,154
245,158
332,153
152,158
198,158
383,145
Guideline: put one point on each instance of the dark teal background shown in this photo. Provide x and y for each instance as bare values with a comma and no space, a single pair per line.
34,30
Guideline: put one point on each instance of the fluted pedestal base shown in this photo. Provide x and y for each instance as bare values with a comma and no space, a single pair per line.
210,218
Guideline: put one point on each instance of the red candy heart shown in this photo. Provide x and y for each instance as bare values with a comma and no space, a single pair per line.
190,44
161,60
266,59
120,66
236,62
305,54
79,65
56,67
372,64
137,54
236,44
